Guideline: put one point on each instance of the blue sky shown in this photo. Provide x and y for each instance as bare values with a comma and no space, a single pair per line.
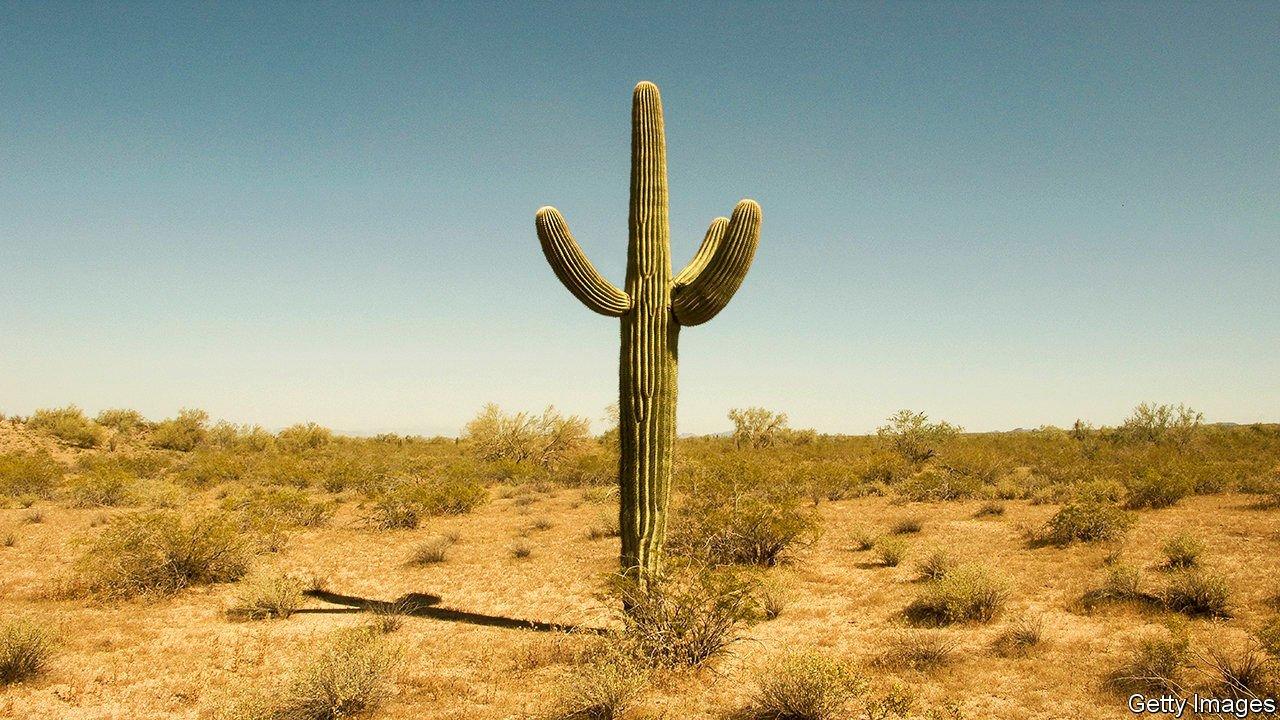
1002,214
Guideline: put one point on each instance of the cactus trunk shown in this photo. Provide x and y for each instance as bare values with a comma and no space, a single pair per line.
652,308
647,364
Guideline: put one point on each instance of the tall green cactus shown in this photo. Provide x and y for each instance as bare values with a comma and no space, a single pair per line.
653,308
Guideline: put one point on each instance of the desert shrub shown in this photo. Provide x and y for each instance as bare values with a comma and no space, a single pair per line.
267,596
601,690
1097,490
931,485
917,650
69,425
183,432
281,507
1197,593
103,485
1183,550
350,674
773,600
520,549
891,551
907,525
605,526
28,474
35,517
588,469
121,420
990,509
1020,637
206,468
886,468
740,514
756,427
863,537
541,440
806,686
1155,663
387,618
1153,488
684,618
1087,522
980,464
303,437
407,502
1243,673
912,436
935,565
26,647
1123,583
968,593
1154,423
163,552
430,551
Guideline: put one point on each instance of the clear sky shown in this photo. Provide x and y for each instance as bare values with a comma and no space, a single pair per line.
1002,214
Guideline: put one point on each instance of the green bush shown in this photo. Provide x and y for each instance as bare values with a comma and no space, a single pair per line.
162,552
103,485
303,437
740,514
891,551
1154,488
69,425
121,420
601,690
968,593
1154,664
408,502
1087,522
25,649
936,565
267,596
913,437
932,485
33,474
350,674
685,618
807,686
1198,593
1183,550
279,506
183,433
207,468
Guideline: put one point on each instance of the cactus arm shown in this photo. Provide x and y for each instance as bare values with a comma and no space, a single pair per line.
574,269
708,289
706,251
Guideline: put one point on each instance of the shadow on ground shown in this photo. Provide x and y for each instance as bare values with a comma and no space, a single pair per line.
424,605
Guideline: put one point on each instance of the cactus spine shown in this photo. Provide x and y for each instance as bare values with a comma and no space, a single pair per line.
653,308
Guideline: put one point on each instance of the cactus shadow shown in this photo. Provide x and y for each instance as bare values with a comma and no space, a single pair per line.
425,605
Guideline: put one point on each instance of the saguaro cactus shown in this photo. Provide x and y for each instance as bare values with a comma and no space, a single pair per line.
653,308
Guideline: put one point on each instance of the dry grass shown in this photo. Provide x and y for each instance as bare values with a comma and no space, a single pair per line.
921,650
1154,664
25,650
601,690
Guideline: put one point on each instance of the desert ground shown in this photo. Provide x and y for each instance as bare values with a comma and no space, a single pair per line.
498,607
